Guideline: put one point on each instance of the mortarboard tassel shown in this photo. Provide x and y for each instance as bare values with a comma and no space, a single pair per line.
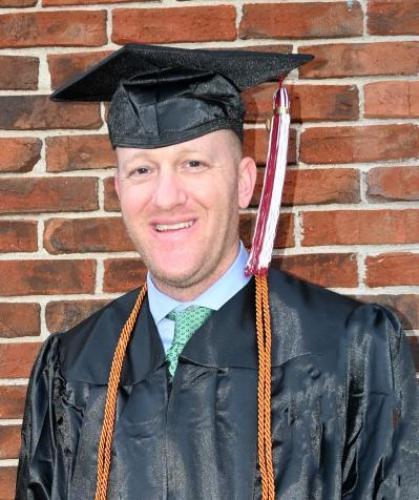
258,263
269,206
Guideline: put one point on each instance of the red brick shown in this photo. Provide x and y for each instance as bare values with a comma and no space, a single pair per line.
316,186
111,198
359,144
19,73
7,482
284,234
308,102
19,320
48,3
185,24
393,269
79,152
97,234
361,227
406,306
392,99
62,315
393,17
46,277
393,183
60,28
18,236
19,154
12,401
361,59
35,194
9,441
284,48
16,360
255,144
17,3
63,67
301,20
329,270
122,275
39,112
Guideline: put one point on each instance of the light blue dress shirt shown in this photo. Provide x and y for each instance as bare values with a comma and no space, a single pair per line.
214,297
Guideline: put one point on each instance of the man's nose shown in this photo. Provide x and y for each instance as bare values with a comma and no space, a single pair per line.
169,191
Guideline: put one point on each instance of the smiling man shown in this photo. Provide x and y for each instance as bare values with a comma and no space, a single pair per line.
158,396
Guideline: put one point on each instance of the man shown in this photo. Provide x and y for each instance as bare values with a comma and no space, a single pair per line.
158,395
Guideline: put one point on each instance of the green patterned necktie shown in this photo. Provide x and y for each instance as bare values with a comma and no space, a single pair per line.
186,323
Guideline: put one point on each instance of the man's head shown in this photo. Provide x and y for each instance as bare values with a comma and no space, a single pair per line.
181,205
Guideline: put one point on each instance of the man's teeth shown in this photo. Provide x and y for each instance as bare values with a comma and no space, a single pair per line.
173,227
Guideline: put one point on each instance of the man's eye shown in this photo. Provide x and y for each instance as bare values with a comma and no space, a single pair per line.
194,163
140,171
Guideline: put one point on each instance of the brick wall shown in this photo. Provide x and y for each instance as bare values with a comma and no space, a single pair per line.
351,216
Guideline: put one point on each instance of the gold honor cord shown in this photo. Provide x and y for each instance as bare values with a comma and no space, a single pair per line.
264,440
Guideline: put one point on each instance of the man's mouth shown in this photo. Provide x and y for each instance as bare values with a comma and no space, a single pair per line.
173,227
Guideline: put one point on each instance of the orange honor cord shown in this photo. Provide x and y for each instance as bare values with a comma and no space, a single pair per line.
105,443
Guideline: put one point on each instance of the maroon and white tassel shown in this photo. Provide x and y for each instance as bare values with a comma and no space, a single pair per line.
270,203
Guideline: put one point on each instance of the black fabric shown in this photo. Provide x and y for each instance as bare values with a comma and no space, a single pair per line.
166,95
344,414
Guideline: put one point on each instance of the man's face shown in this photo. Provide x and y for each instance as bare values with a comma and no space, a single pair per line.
181,205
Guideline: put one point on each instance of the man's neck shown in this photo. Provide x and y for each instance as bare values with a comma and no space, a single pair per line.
193,291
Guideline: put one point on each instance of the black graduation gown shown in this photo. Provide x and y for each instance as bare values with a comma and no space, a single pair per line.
343,405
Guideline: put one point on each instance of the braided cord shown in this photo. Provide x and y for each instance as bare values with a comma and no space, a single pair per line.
264,342
105,443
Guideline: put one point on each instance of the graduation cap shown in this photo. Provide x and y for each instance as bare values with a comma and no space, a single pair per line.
167,95
162,96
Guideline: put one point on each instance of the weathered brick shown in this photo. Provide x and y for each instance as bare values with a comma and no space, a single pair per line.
393,269
284,235
35,194
393,183
359,144
301,20
16,360
12,400
255,144
19,320
405,305
392,99
99,234
19,154
361,59
39,112
361,227
59,28
15,4
19,73
122,275
46,277
186,24
18,236
79,152
48,3
316,186
393,17
308,102
7,482
62,315
329,270
9,441
63,67
111,198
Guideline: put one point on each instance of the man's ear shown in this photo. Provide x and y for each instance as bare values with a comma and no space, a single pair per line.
116,182
246,180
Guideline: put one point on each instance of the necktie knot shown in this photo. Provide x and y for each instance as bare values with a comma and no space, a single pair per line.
186,323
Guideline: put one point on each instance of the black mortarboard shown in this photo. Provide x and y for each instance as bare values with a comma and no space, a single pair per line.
166,95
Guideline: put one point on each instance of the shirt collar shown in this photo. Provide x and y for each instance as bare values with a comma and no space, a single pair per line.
233,280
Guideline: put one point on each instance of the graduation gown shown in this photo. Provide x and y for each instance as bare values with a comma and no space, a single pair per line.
343,405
